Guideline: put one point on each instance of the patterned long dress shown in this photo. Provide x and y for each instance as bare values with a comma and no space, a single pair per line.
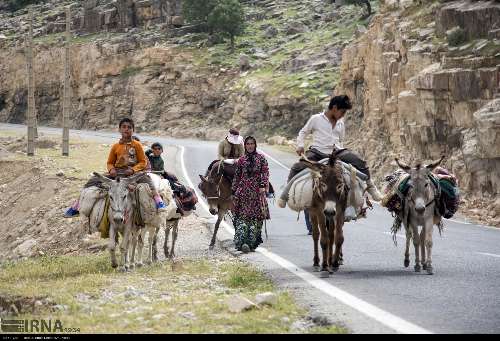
250,206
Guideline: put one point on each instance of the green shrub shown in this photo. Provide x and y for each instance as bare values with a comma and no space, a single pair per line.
15,5
456,36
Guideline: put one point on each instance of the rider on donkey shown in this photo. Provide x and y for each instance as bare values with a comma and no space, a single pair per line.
125,158
328,132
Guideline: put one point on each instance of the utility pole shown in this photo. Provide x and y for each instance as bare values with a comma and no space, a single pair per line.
66,101
31,93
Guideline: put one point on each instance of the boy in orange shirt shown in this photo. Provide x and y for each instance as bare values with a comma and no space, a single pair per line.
125,158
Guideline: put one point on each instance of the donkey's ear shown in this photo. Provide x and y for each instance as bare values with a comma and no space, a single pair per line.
435,163
203,178
102,178
402,165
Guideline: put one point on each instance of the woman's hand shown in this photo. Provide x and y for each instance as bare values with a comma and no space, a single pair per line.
129,171
112,172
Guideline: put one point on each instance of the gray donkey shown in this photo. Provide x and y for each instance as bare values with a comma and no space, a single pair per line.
420,210
120,211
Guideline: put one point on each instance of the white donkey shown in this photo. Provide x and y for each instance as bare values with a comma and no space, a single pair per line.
420,210
154,220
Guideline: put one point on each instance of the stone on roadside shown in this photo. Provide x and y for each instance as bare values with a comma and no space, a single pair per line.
268,298
237,304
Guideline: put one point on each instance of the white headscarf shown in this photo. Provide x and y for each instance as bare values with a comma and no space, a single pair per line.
234,139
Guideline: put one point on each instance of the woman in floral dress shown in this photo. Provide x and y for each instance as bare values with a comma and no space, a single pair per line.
250,185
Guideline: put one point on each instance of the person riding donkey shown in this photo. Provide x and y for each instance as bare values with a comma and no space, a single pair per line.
156,163
125,159
328,132
229,149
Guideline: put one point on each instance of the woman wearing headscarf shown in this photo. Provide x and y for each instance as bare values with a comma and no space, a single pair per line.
250,185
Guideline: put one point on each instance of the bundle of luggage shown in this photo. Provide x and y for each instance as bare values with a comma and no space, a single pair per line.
397,187
185,197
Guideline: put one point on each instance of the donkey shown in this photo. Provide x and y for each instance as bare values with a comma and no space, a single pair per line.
329,202
216,188
420,210
120,216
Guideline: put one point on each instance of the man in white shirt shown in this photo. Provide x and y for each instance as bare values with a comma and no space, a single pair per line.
328,132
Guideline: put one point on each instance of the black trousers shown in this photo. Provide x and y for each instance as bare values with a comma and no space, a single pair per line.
345,155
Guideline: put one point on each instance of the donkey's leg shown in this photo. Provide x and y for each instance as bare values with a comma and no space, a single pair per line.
315,234
429,228
407,250
112,245
422,248
151,230
168,228
124,248
220,216
324,247
140,246
331,241
416,244
175,229
133,244
339,240
155,246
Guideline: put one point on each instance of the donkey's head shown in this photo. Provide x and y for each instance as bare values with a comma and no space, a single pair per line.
330,190
421,192
120,200
216,189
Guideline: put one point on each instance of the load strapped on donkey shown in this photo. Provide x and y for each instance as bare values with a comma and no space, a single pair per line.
398,184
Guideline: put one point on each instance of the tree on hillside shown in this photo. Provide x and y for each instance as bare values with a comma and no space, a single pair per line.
14,5
197,11
227,19
361,3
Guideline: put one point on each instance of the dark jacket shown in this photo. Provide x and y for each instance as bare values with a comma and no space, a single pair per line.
157,163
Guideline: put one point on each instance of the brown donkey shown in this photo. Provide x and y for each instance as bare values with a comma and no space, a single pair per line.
327,212
216,188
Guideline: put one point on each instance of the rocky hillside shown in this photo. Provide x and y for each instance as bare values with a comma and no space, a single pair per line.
173,79
425,78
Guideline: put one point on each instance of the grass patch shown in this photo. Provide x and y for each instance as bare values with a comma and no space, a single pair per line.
183,297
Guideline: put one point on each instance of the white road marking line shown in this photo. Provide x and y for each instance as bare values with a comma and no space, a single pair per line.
274,160
488,254
385,318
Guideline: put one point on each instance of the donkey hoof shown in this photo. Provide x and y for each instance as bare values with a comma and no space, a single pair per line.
114,265
211,246
424,266
407,263
316,268
324,274
417,268
139,265
131,266
430,270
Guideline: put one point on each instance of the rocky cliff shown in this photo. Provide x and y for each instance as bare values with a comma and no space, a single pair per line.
420,93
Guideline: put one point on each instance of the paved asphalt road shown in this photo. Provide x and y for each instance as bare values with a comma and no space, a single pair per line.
463,295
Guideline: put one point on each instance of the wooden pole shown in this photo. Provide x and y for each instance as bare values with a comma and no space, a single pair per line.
66,102
31,95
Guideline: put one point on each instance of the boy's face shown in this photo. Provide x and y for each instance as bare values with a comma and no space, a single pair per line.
126,130
157,151
337,114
